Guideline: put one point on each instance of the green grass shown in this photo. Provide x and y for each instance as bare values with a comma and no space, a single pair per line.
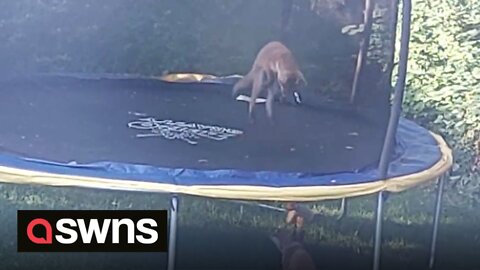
216,234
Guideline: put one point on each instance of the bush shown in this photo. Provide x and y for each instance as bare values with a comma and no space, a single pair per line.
443,87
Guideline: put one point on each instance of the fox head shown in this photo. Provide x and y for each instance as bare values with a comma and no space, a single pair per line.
290,81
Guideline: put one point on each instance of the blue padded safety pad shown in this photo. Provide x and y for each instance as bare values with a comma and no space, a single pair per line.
415,151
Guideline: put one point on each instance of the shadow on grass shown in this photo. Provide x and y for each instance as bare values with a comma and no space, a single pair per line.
214,234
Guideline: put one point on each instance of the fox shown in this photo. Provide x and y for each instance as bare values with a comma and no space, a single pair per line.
294,255
298,215
274,70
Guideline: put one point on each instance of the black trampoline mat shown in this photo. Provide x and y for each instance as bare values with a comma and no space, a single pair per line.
66,119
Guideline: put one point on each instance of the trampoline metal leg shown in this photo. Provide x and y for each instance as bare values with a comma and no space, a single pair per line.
378,232
343,209
172,239
438,206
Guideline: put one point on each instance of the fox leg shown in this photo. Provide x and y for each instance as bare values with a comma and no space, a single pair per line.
282,97
258,84
243,83
283,93
269,104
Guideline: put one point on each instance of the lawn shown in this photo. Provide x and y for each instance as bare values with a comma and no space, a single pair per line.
216,234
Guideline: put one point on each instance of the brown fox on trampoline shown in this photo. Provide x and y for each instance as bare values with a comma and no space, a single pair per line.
274,70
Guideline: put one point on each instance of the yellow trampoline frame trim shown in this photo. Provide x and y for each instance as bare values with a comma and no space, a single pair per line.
239,192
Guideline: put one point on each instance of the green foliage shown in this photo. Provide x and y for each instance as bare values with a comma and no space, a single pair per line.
444,80
129,36
382,35
150,37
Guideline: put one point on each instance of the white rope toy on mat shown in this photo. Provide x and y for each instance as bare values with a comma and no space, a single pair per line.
298,99
247,99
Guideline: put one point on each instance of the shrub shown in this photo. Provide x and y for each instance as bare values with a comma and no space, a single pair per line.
443,87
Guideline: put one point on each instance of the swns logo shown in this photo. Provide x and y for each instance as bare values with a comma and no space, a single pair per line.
92,231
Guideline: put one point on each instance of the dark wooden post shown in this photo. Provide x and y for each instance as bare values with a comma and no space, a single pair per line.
362,53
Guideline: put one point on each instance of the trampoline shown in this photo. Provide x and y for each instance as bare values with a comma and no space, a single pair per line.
184,134
126,133
193,138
